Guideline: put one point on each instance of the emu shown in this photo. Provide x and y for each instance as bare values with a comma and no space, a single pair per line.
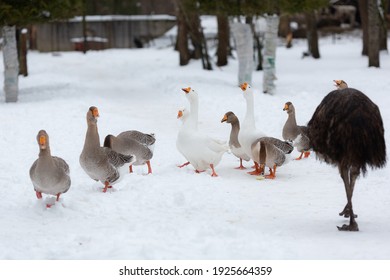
346,130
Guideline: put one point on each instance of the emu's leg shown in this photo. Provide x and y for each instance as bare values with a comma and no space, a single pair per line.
348,181
349,176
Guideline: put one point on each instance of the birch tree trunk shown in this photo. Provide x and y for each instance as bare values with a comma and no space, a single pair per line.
11,64
244,43
270,42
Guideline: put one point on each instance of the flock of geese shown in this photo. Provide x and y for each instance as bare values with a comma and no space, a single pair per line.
107,164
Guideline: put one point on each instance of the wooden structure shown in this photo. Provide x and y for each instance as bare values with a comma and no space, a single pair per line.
113,31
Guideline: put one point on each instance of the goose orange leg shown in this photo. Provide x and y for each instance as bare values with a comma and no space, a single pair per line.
184,164
130,169
272,173
307,154
214,174
258,170
241,167
38,194
149,167
106,186
300,157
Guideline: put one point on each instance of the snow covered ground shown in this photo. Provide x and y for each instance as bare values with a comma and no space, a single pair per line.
175,213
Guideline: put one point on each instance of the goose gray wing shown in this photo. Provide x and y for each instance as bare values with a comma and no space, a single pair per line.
61,164
143,138
303,139
117,159
283,146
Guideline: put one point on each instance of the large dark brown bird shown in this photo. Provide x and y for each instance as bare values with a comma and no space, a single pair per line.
346,130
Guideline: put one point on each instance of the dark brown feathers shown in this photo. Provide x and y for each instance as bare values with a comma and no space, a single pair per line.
347,130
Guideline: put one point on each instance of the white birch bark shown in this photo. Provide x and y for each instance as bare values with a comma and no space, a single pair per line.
243,36
11,64
270,43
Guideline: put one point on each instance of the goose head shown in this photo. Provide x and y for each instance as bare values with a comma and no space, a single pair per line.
108,141
229,117
289,107
43,140
340,84
190,93
183,114
92,115
246,89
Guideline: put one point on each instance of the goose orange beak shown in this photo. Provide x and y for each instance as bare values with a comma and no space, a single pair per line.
285,107
186,90
244,86
95,112
224,119
42,140
179,114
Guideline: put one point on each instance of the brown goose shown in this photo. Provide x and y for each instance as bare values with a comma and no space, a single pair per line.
271,152
101,163
133,142
49,174
234,144
295,133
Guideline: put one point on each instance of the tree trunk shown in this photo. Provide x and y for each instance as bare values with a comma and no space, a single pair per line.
195,34
383,23
363,10
182,37
270,42
84,27
22,51
258,48
205,54
312,34
374,34
11,64
243,36
223,40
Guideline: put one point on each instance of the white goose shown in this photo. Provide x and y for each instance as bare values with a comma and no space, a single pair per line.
200,150
248,133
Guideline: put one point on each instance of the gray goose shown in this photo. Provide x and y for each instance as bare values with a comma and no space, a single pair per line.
234,144
295,133
133,142
101,163
49,174
271,152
